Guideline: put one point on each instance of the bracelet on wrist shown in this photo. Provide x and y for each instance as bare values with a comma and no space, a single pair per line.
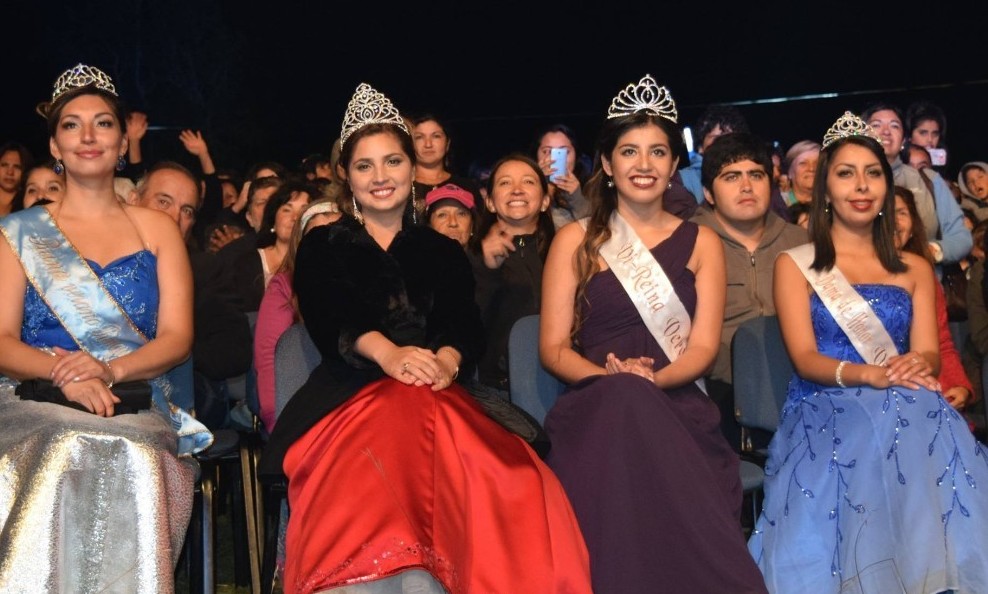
113,377
456,367
838,375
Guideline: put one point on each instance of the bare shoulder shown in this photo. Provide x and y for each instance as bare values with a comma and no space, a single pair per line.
708,242
918,269
568,237
156,227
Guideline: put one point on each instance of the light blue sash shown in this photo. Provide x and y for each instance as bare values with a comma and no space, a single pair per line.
91,316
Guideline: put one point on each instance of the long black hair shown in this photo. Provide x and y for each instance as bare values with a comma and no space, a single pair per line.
821,217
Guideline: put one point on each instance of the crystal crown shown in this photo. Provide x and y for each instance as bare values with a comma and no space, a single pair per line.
644,96
369,106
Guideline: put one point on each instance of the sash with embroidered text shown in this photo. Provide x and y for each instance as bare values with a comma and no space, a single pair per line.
648,287
849,309
92,317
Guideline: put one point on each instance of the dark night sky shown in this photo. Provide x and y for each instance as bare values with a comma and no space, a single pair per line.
271,80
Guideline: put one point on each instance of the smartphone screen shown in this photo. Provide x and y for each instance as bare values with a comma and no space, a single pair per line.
938,156
558,156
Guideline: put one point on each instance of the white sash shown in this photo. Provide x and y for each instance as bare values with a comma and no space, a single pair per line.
649,288
848,308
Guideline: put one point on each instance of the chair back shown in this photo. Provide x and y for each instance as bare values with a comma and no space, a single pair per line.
762,371
532,387
295,356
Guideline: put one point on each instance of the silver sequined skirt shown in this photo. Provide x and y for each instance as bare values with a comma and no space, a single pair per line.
89,504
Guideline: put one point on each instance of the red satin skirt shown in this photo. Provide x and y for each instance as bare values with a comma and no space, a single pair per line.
401,477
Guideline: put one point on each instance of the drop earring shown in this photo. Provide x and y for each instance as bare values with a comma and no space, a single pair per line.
610,182
356,211
121,163
58,167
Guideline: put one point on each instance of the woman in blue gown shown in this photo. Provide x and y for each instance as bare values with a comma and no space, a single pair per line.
874,483
95,293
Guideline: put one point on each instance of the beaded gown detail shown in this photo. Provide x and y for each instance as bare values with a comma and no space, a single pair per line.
872,490
652,480
90,504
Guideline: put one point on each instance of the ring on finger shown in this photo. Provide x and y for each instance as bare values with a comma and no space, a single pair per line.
404,367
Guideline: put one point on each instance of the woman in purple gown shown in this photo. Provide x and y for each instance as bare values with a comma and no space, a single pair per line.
633,301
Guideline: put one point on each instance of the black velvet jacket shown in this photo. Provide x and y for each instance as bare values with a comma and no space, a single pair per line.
419,292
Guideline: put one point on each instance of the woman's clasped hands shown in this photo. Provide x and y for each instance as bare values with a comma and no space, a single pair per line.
84,379
419,366
640,366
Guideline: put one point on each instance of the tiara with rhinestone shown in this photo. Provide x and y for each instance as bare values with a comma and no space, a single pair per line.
81,75
369,106
849,125
645,96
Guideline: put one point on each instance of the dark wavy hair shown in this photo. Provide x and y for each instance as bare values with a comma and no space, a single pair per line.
346,156
821,217
603,199
282,196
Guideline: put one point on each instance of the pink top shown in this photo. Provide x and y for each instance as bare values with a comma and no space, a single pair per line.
275,315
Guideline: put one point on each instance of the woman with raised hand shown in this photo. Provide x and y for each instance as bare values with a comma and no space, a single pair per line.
397,480
632,307
874,483
97,301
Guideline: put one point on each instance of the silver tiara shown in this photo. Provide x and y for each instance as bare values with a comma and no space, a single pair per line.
368,106
645,96
81,75
849,125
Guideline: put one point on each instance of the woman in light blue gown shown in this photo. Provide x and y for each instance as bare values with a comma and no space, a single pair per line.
874,483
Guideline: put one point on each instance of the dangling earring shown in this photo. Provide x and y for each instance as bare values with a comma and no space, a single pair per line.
880,213
610,182
272,229
356,211
58,167
415,216
121,163
669,186
826,208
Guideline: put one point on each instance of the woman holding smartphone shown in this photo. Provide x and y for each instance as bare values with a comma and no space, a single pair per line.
557,158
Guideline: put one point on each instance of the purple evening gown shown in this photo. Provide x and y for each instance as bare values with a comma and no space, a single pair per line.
654,484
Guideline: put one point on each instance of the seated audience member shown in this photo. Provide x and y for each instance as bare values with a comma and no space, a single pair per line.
566,200
926,126
432,152
221,348
43,186
317,166
229,245
801,161
252,270
799,214
717,120
973,182
943,222
918,157
507,257
15,159
910,237
737,186
235,221
279,308
450,210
